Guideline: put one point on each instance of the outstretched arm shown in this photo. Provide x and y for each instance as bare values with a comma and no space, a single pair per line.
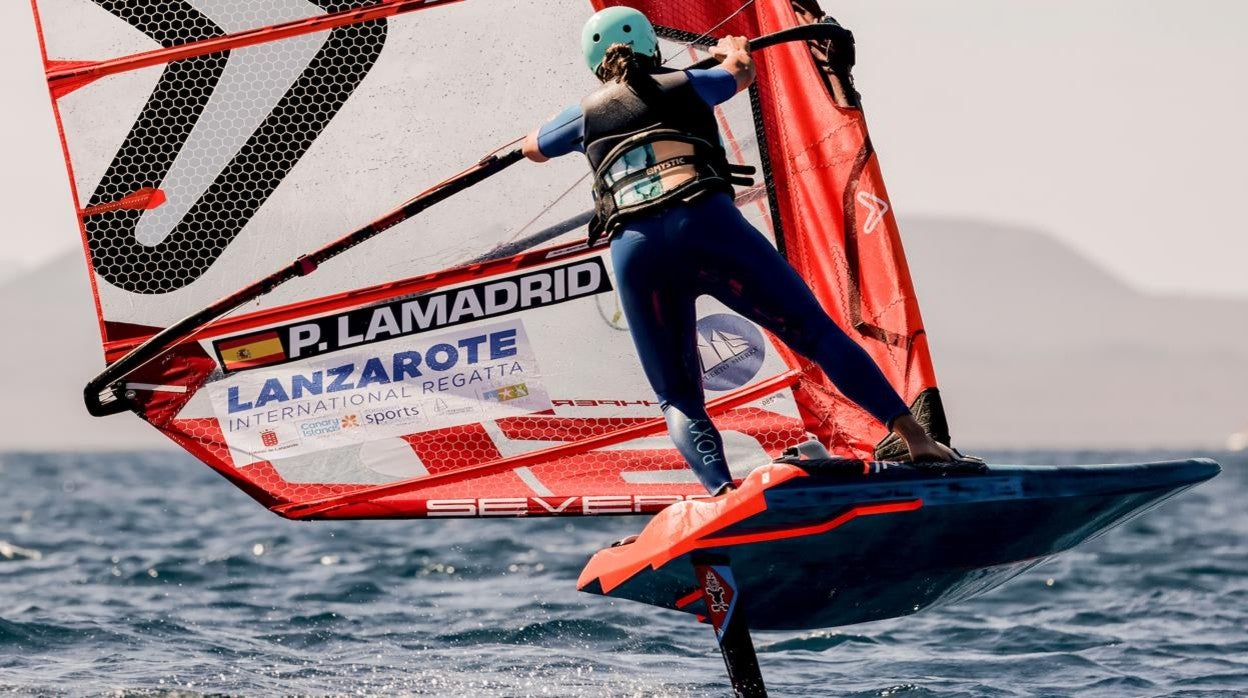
530,149
733,54
560,135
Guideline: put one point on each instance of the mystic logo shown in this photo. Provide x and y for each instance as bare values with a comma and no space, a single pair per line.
731,350
226,147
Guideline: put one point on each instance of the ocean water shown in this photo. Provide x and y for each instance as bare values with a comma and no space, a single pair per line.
147,574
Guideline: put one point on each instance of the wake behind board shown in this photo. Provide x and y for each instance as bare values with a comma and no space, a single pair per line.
830,542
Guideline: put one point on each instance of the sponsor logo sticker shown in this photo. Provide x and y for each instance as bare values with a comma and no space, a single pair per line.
250,351
731,350
428,312
876,208
317,427
506,393
396,416
388,389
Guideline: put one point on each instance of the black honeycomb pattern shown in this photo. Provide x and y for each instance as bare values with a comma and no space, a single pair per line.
167,121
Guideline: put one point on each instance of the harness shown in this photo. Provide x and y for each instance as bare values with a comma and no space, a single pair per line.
652,149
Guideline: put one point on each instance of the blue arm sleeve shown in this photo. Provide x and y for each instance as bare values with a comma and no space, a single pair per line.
714,86
563,134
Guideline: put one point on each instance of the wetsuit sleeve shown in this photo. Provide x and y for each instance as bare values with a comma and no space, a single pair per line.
563,134
714,86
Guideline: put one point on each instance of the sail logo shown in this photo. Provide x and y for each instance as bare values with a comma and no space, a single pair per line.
715,591
442,407
719,593
397,415
731,350
317,427
876,208
407,366
432,311
721,347
390,390
225,149
506,393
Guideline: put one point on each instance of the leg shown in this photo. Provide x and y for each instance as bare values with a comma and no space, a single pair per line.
699,443
660,313
747,274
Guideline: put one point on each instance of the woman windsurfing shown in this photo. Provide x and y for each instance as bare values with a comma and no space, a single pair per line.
663,194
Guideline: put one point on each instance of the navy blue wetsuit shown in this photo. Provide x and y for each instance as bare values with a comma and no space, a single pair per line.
663,262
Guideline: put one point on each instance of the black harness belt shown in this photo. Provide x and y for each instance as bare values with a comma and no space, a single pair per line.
649,170
652,144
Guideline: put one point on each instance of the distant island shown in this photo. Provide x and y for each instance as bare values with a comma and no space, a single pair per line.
1037,347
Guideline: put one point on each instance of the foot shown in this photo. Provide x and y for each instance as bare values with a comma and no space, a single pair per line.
930,450
923,448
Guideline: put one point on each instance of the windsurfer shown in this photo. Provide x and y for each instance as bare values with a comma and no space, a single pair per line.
663,194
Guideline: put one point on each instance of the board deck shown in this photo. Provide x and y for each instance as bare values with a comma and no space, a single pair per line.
824,543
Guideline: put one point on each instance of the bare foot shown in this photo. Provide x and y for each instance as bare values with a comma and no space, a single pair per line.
923,448
931,450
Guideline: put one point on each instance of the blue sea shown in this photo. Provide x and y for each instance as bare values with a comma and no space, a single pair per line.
147,574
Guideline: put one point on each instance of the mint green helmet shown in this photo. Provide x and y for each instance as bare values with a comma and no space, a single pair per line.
617,25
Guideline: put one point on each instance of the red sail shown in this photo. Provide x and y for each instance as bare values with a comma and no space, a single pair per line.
419,374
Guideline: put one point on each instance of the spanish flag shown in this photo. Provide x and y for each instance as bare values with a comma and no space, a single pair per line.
251,350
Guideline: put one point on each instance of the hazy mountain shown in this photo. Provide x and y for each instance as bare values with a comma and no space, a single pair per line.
51,351
1033,345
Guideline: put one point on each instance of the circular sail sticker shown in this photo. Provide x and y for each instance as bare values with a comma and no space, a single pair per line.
731,350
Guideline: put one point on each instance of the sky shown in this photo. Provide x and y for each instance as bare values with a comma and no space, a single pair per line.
1115,125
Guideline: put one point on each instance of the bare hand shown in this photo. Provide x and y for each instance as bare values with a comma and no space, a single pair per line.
729,45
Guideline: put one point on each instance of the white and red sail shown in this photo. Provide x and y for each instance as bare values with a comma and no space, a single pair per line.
211,142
